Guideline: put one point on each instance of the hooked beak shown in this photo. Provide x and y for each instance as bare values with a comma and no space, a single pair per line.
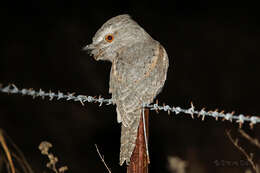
91,49
88,48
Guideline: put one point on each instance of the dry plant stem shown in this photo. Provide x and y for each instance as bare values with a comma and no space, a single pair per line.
139,160
102,159
23,166
249,157
253,141
7,152
19,156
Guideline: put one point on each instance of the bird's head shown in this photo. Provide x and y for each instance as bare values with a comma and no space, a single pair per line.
116,34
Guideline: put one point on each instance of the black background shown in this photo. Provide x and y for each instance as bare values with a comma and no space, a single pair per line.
214,62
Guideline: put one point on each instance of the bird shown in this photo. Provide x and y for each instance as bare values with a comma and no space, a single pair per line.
138,72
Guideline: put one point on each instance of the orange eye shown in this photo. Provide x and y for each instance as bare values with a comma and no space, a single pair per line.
109,38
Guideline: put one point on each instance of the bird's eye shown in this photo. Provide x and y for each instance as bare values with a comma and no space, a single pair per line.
109,38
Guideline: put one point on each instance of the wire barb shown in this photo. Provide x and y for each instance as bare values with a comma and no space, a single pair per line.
240,119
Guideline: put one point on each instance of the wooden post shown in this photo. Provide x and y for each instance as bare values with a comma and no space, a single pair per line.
139,160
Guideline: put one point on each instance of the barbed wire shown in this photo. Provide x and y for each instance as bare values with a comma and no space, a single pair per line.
240,119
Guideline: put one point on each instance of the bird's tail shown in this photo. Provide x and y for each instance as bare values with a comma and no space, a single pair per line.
129,135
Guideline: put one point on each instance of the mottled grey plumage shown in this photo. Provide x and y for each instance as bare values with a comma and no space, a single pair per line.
138,73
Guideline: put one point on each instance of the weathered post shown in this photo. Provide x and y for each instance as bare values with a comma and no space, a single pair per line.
140,160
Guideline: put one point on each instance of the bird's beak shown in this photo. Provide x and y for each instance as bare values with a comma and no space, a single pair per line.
91,49
88,48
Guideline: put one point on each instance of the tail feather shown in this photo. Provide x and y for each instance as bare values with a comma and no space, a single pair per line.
128,136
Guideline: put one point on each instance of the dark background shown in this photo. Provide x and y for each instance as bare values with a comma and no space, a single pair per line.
214,62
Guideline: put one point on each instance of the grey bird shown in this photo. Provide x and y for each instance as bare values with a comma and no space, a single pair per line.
138,72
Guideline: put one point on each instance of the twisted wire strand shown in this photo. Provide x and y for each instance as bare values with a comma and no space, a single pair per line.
240,119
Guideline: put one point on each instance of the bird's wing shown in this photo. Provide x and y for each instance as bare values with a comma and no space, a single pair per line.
136,77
